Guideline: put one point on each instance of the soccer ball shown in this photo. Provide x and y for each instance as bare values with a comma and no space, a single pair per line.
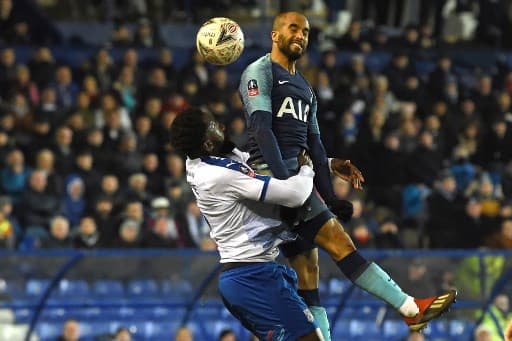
220,41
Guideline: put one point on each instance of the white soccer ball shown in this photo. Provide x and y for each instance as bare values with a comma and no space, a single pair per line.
220,41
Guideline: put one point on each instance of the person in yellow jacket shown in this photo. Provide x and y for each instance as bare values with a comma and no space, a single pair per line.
498,317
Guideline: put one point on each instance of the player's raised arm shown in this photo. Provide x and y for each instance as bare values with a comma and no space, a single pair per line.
342,208
255,90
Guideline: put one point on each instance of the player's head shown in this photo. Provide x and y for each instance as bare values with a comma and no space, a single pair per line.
197,133
290,33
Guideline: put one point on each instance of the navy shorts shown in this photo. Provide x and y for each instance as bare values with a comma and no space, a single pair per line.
263,297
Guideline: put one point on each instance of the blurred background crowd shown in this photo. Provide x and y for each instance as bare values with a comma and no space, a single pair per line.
85,158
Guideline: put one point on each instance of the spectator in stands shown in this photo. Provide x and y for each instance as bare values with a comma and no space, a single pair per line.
217,87
70,331
85,169
127,159
91,90
23,84
166,62
7,232
425,161
87,236
95,144
353,40
112,117
137,189
7,208
38,204
444,205
74,201
129,235
146,34
483,333
227,335
66,90
196,224
83,107
103,70
106,222
438,78
134,211
7,69
237,132
110,189
184,334
171,227
418,278
497,317
501,239
195,69
121,36
59,235
125,85
49,110
14,176
155,180
45,161
42,67
122,334
63,150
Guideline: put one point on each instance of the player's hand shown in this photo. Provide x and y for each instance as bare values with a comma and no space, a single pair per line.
342,208
345,170
304,159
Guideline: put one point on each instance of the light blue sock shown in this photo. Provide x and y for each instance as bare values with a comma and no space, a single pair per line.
377,282
321,319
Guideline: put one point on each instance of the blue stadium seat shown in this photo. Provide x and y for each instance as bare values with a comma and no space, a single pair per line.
54,314
340,330
162,330
110,288
363,328
36,287
461,329
177,289
73,288
22,315
338,286
143,287
395,329
438,329
11,288
48,330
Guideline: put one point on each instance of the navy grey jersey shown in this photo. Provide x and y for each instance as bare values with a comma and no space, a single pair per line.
267,86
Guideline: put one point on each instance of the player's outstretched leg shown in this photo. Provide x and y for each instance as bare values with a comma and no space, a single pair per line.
372,278
304,260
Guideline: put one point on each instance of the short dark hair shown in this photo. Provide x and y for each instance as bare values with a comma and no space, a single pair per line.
187,132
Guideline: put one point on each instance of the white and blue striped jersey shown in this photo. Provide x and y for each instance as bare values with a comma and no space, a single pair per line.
236,203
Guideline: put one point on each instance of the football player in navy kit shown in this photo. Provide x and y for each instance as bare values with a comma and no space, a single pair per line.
281,113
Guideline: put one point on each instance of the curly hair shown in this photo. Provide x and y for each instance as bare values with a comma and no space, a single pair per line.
187,132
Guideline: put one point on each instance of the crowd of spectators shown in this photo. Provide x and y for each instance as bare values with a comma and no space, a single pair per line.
85,158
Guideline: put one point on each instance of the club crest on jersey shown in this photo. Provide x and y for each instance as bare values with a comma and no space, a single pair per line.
309,315
298,111
247,171
252,88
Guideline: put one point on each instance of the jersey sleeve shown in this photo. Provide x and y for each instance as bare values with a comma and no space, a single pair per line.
256,86
291,192
313,121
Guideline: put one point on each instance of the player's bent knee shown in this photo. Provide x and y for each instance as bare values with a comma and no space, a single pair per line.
333,239
315,335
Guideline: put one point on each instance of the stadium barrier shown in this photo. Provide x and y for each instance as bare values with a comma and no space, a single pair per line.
156,291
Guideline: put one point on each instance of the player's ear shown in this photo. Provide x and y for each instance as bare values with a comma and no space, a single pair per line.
274,35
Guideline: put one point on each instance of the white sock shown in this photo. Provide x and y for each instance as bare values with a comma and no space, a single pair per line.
409,308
